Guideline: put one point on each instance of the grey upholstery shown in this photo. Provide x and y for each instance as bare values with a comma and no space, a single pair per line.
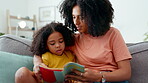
14,44
139,52
139,66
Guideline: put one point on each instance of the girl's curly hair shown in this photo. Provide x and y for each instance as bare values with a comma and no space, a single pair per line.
98,15
39,43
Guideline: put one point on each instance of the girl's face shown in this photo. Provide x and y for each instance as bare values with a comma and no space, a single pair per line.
55,43
78,20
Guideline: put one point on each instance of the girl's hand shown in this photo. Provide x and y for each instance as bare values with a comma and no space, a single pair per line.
37,72
87,76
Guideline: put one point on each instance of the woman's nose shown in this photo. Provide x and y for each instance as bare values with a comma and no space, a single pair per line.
77,21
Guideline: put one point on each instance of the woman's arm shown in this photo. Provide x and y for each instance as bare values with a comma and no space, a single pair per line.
121,74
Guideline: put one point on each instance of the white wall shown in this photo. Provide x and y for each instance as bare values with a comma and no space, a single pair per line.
34,6
131,16
16,7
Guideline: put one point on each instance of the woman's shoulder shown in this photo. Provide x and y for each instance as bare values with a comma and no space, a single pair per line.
113,30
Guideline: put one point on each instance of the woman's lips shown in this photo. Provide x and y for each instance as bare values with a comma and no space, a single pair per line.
78,27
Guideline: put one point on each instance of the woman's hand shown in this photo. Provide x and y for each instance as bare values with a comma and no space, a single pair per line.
87,76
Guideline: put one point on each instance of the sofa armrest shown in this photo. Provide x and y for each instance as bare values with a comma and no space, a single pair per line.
14,44
139,64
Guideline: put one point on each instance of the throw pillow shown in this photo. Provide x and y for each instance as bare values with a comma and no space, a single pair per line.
10,63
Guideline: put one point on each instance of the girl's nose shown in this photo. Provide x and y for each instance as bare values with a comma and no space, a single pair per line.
57,45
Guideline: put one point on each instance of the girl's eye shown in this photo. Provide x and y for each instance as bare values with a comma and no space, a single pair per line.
52,43
61,41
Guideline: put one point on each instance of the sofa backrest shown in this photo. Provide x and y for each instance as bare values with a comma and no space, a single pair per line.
139,62
139,52
15,44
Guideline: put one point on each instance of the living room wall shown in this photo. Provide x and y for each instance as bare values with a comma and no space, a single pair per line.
16,7
130,17
35,5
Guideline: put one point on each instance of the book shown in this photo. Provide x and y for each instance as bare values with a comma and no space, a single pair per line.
58,74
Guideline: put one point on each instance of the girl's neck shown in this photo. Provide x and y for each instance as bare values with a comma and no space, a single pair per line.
56,54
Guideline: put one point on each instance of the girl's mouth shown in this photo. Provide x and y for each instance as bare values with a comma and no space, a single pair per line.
59,51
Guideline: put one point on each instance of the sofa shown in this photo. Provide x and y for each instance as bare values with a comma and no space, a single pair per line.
15,53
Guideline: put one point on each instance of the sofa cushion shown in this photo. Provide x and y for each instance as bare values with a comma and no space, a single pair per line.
10,63
15,44
139,65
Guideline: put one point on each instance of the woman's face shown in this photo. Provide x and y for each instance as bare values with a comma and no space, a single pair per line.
55,43
78,20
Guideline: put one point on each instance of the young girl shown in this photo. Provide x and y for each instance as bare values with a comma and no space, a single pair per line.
49,43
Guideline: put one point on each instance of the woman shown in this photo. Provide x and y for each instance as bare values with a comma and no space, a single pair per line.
98,46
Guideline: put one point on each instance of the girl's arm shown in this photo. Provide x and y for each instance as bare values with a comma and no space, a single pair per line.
37,61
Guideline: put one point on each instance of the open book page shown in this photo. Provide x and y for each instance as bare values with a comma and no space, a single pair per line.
58,74
72,65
